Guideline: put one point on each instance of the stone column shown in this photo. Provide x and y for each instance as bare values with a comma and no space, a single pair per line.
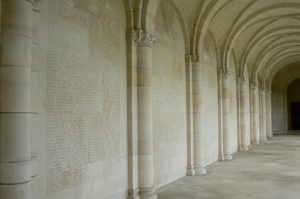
133,183
262,113
198,134
243,146
264,108
145,149
15,103
255,114
269,113
36,101
224,137
220,108
285,113
189,106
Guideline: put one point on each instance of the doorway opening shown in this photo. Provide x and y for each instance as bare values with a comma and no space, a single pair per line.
293,99
295,116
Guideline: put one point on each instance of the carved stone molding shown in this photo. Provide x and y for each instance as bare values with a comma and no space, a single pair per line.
36,5
241,79
133,194
221,71
188,58
140,38
253,84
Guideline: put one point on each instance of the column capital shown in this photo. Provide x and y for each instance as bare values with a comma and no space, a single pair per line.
188,58
36,5
196,57
140,38
241,79
191,58
262,88
253,84
221,71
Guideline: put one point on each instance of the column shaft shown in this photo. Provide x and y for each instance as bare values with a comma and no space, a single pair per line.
189,106
255,114
145,124
224,116
220,104
269,113
15,103
133,183
140,125
265,127
35,97
198,134
243,145
262,111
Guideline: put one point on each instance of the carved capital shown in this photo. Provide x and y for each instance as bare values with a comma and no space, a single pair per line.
262,87
241,79
196,58
140,38
36,5
253,85
221,71
188,58
133,194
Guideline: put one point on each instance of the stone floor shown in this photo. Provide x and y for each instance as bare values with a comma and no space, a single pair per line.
267,171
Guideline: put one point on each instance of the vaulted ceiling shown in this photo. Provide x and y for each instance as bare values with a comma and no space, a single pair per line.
264,35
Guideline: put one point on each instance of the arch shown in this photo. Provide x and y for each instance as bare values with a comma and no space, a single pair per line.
149,13
272,73
252,46
202,24
279,50
240,24
210,36
244,24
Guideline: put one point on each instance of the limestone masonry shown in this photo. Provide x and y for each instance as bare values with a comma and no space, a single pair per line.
115,99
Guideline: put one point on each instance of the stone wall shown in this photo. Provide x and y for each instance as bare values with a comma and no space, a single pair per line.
86,150
209,103
169,101
279,108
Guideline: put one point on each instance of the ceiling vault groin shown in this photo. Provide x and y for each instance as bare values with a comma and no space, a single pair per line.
263,35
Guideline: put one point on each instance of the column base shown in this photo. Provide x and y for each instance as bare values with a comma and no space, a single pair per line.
227,157
147,193
264,139
255,142
244,148
133,194
200,171
16,191
190,171
221,157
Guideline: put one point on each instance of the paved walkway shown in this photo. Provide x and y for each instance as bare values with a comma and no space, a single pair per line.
267,171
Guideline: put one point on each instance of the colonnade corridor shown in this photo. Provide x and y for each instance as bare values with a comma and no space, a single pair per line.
147,99
267,171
